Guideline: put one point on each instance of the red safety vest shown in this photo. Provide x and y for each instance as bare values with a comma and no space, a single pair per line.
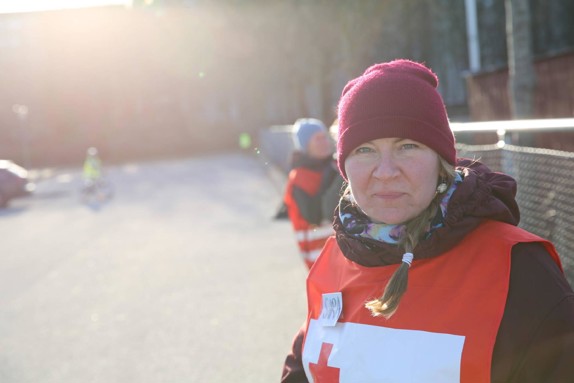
444,329
310,237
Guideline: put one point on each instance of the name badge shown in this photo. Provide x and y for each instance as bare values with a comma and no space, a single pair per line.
331,309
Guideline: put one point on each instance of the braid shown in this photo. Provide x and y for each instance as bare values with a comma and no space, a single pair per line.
388,303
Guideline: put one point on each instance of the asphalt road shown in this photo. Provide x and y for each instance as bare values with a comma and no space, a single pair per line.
182,277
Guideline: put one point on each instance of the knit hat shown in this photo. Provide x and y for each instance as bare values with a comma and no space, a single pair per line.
304,129
394,99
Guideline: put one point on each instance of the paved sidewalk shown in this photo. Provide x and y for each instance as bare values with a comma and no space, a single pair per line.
183,277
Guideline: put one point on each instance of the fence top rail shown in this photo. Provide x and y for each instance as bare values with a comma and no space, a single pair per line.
515,148
491,126
514,125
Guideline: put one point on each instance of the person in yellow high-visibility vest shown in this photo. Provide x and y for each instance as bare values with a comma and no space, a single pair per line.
92,166
96,188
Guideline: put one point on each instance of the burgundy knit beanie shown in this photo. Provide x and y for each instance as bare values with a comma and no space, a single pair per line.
394,99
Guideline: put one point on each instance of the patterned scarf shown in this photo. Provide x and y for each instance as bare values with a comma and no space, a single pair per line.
358,224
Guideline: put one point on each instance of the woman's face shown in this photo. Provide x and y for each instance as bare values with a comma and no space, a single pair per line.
392,179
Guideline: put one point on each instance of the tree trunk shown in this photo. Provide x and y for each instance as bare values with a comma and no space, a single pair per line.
521,67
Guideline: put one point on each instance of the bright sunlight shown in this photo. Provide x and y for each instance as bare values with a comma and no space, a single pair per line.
19,6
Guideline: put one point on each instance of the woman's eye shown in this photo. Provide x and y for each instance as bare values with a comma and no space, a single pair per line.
363,149
409,146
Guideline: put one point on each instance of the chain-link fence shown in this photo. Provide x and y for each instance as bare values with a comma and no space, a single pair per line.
545,191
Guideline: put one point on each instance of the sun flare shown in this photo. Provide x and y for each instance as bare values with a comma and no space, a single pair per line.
21,6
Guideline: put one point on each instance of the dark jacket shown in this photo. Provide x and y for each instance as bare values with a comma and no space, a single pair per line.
535,341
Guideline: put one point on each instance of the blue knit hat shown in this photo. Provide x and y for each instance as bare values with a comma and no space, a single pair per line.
304,129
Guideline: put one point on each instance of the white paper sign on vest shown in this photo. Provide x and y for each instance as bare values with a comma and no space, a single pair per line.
359,353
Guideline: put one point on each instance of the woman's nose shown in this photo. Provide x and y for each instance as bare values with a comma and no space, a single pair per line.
386,167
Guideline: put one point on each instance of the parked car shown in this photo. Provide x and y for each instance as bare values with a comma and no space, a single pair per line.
14,182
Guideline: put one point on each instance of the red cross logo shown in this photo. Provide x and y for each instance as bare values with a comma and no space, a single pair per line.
320,371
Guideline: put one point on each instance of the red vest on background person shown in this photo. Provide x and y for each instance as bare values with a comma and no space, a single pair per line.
444,329
310,237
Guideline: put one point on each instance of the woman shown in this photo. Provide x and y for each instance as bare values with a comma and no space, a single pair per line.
313,187
428,279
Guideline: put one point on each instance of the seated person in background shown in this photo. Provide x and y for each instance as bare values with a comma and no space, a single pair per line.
313,187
